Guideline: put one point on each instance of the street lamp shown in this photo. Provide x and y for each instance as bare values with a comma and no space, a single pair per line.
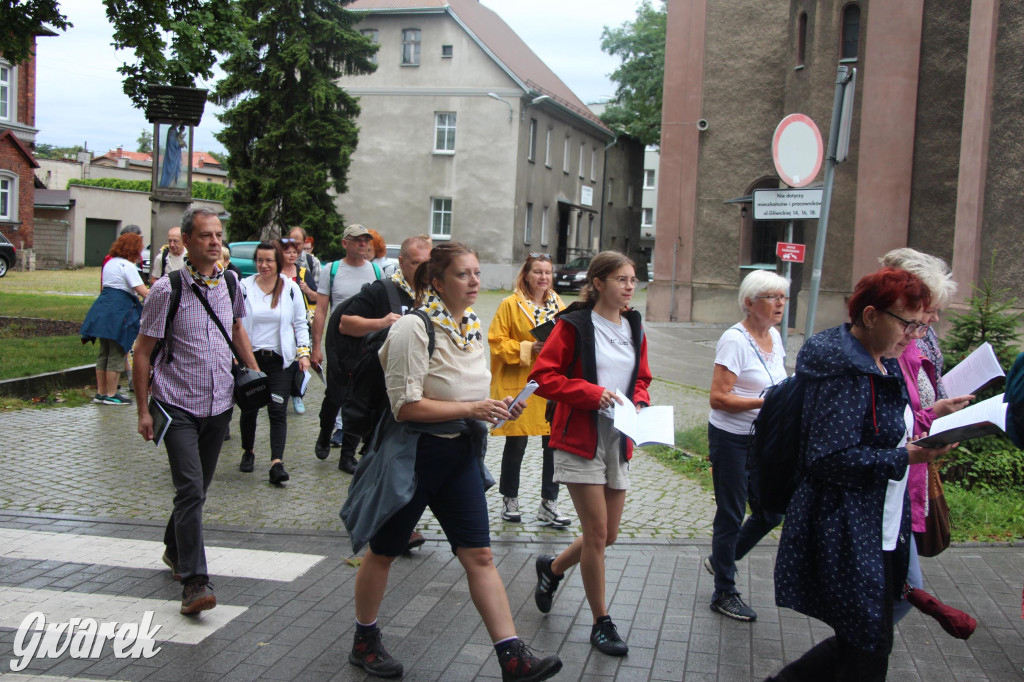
494,95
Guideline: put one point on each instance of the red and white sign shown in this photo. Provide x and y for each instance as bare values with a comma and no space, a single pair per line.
797,150
793,253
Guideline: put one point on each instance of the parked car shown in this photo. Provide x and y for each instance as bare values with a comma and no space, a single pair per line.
242,254
7,255
144,266
572,275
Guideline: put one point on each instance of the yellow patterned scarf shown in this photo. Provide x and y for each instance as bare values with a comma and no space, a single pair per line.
540,314
464,335
213,280
399,279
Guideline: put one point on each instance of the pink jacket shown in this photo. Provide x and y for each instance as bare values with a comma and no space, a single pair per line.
911,363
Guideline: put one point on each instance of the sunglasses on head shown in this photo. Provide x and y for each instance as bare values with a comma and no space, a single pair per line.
540,256
288,240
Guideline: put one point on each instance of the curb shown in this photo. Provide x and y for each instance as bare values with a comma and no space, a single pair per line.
40,384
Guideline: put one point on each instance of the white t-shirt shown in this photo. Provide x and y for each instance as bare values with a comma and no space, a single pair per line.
736,352
266,321
386,265
613,345
347,282
120,274
892,509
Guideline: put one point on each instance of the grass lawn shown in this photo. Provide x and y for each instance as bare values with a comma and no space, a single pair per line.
49,306
25,357
77,282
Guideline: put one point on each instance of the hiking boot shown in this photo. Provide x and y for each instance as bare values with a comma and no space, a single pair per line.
197,596
298,405
547,583
171,564
248,462
708,566
415,540
347,463
368,652
277,474
605,636
510,509
322,449
549,515
732,606
518,663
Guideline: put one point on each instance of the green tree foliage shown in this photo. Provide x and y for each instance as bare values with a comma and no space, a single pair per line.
174,41
49,151
21,19
200,190
145,141
289,127
640,45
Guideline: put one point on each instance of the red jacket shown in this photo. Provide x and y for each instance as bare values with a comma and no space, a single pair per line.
566,371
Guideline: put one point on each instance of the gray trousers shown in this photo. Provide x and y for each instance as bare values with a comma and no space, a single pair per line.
193,446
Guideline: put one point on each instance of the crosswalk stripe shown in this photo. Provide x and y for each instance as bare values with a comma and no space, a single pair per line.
15,677
60,607
16,543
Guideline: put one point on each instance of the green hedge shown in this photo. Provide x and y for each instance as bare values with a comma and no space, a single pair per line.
991,463
200,190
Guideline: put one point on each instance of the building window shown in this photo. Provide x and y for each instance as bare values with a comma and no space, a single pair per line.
648,217
801,39
608,192
547,148
649,178
5,91
374,36
583,147
447,51
544,227
851,32
8,197
565,156
531,151
593,164
440,218
528,229
444,131
411,47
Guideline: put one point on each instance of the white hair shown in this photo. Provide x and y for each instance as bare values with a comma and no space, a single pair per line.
760,282
929,269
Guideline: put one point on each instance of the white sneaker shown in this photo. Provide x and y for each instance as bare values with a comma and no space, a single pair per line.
298,405
548,514
510,509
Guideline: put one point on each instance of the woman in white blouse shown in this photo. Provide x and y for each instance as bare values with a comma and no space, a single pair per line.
276,323
749,358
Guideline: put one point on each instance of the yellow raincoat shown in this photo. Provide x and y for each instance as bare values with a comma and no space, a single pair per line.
511,361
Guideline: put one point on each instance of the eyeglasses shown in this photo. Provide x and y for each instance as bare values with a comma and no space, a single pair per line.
774,298
287,240
540,256
911,327
624,281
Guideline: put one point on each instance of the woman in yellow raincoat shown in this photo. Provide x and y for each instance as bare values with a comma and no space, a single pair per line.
513,351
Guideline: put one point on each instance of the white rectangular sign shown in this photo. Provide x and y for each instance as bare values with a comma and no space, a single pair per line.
587,195
786,204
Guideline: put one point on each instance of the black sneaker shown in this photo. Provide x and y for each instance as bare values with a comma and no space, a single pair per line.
708,566
322,450
605,636
547,583
368,652
278,475
172,563
518,663
732,606
197,596
248,462
348,463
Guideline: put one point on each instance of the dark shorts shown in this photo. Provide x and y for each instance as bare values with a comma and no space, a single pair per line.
448,481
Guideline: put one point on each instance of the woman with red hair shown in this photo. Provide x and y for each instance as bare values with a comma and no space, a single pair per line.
114,317
380,254
844,549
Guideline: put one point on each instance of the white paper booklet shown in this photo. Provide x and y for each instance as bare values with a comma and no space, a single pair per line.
984,419
527,391
979,369
655,424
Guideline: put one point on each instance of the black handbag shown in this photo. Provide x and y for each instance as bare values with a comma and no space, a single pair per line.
252,387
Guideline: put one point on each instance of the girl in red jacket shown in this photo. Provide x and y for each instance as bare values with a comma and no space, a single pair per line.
596,348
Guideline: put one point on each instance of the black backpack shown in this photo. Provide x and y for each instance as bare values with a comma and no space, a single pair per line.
366,401
773,459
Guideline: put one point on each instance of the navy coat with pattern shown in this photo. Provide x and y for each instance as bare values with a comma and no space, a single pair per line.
829,564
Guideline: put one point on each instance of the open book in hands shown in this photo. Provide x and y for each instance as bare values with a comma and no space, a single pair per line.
655,424
977,371
983,419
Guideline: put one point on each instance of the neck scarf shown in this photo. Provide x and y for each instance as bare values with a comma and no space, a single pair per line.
465,334
543,313
213,280
399,279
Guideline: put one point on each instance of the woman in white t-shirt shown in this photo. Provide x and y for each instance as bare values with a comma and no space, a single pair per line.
749,358
114,317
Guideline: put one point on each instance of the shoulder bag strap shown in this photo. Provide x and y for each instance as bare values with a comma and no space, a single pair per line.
757,353
216,320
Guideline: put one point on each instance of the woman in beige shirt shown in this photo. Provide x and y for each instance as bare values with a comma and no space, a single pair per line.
434,458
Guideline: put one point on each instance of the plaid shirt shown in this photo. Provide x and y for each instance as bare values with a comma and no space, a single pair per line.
199,379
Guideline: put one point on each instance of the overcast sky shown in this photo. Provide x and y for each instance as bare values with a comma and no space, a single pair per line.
80,100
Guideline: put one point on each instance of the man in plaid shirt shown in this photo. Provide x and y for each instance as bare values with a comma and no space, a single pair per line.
194,386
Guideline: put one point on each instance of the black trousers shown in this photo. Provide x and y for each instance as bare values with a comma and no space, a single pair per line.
328,412
281,380
512,462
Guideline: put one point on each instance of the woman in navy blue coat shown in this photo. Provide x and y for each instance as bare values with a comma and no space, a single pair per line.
843,553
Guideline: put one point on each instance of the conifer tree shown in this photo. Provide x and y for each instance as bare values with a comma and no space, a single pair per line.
289,126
